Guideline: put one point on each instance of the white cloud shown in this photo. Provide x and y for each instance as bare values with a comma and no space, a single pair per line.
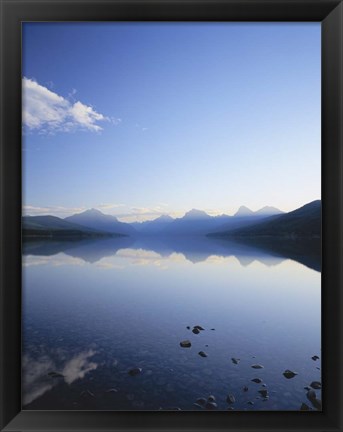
85,115
61,211
47,112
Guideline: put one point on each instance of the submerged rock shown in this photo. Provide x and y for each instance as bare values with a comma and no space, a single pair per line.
250,403
211,398
196,331
312,397
112,390
316,385
230,399
185,344
311,394
235,360
211,406
245,389
257,366
289,374
264,393
202,354
213,329
188,328
230,408
201,401
135,371
256,380
304,407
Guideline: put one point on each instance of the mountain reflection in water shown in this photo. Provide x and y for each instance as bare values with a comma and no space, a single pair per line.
195,249
94,310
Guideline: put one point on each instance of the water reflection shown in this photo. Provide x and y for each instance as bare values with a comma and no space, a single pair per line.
95,309
43,373
194,249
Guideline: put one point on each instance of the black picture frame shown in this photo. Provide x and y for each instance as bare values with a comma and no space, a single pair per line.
330,14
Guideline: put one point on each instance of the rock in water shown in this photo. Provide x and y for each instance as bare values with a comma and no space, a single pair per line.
199,327
289,374
202,354
250,403
235,360
211,406
201,401
211,398
188,328
316,385
196,331
304,407
256,380
245,389
263,393
135,371
312,397
317,404
230,399
257,366
311,394
185,344
314,358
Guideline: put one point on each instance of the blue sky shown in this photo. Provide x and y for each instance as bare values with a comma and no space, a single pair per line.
143,119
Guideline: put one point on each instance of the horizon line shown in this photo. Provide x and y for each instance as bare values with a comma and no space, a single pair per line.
141,217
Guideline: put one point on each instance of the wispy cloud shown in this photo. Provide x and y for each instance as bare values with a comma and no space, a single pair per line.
62,211
48,112
141,214
109,206
59,211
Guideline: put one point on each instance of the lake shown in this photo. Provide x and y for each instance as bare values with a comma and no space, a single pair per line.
103,320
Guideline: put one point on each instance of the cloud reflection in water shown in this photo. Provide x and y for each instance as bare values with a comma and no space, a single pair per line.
36,380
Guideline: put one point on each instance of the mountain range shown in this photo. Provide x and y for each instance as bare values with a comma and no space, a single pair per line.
52,226
268,221
97,220
304,223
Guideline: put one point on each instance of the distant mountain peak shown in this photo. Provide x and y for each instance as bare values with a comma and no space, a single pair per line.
92,211
268,211
164,218
244,211
196,214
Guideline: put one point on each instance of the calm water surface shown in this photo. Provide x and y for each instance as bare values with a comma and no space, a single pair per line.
95,309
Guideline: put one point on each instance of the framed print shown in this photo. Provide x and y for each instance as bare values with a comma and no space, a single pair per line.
171,219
